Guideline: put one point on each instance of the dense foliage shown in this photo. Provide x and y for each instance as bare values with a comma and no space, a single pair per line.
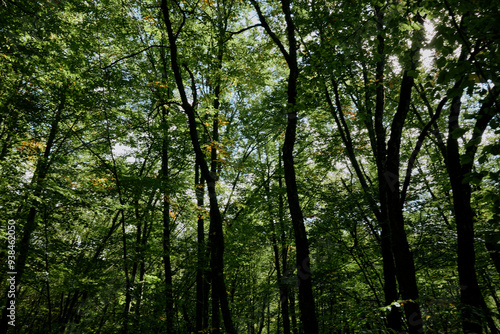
222,166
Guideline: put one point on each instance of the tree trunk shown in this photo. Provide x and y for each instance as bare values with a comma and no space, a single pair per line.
165,177
282,284
380,152
202,274
306,297
284,254
492,243
23,248
474,309
405,267
291,298
470,295
214,243
128,287
216,237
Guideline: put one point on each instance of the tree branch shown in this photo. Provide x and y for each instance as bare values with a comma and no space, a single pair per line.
132,55
484,116
269,31
244,29
417,148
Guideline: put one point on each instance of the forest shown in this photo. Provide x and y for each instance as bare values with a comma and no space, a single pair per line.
259,166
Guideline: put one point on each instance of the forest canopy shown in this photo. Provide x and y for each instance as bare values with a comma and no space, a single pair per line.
260,166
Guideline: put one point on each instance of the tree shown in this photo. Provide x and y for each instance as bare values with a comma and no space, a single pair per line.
394,242
306,298
460,161
216,232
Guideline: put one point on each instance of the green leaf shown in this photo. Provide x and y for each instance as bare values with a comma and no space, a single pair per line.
413,73
457,133
465,159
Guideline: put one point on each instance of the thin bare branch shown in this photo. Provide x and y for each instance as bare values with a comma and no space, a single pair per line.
132,55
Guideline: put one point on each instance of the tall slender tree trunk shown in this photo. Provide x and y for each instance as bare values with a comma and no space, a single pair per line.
214,245
202,273
284,251
216,237
380,152
378,143
405,267
291,298
23,247
281,279
128,287
394,239
471,297
474,310
165,177
306,297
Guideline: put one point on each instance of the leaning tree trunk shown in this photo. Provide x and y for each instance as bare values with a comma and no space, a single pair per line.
39,176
